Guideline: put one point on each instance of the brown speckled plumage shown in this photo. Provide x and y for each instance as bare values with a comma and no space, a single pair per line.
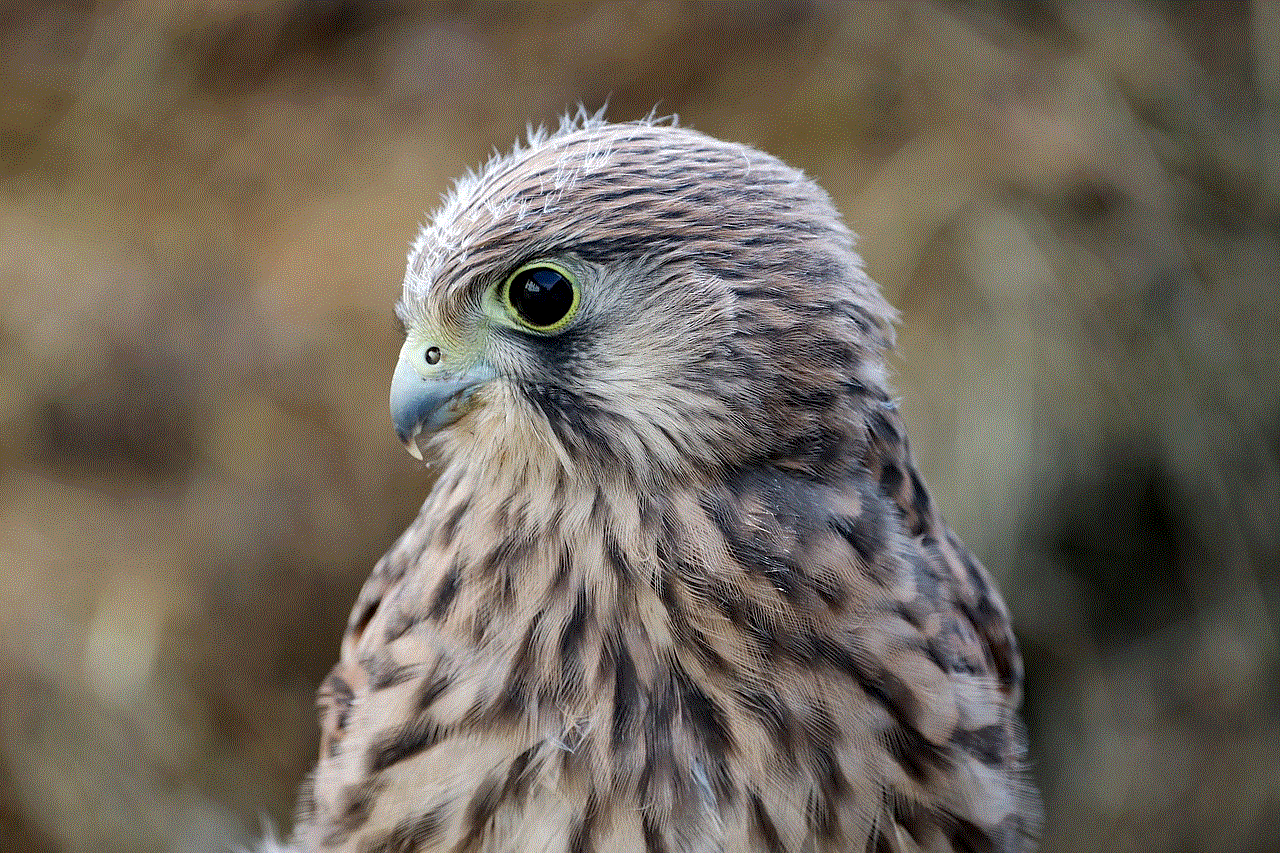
679,586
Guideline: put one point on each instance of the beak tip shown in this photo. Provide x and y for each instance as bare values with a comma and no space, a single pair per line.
425,406
410,441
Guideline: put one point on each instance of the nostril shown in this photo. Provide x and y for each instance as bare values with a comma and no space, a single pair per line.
433,355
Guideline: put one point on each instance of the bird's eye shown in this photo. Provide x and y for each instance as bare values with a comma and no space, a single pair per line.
542,296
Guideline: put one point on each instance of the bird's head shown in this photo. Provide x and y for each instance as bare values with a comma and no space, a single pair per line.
639,297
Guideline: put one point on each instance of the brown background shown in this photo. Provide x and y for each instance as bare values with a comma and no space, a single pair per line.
203,216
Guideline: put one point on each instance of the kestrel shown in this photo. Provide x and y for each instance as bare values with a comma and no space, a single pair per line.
679,586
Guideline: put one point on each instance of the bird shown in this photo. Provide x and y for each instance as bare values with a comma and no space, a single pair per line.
679,586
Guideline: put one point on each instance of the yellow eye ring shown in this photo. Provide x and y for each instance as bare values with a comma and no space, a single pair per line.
541,296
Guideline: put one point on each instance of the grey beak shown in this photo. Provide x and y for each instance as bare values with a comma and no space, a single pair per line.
421,406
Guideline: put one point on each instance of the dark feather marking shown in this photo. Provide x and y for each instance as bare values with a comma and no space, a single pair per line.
911,817
835,785
764,826
943,652
740,610
667,583
882,428
675,567
486,800
878,842
384,671
400,623
709,723
774,716
572,635
355,805
868,532
672,569
667,434
515,693
890,477
915,754
577,423
892,692
829,587
432,688
419,734
445,592
904,741
727,599
449,527
617,560
610,250
362,616
391,568
518,780
653,508
580,840
921,503
929,584
653,841
985,615
719,510
912,612
658,776
707,655
989,744
965,835
563,568
823,449
413,833
753,553
517,518
509,552
759,623
854,387
976,577
821,818
626,690
337,690
334,699
620,193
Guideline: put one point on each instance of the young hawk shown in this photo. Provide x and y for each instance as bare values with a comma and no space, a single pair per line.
679,586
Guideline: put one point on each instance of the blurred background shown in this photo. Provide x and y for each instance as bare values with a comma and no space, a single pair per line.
204,209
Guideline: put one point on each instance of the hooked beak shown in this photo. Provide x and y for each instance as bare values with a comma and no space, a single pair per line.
421,406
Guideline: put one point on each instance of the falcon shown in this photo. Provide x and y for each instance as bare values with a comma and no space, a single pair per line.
679,586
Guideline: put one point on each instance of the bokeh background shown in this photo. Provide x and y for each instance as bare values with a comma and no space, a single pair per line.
204,209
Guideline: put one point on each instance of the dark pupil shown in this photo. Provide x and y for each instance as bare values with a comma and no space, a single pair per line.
541,296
